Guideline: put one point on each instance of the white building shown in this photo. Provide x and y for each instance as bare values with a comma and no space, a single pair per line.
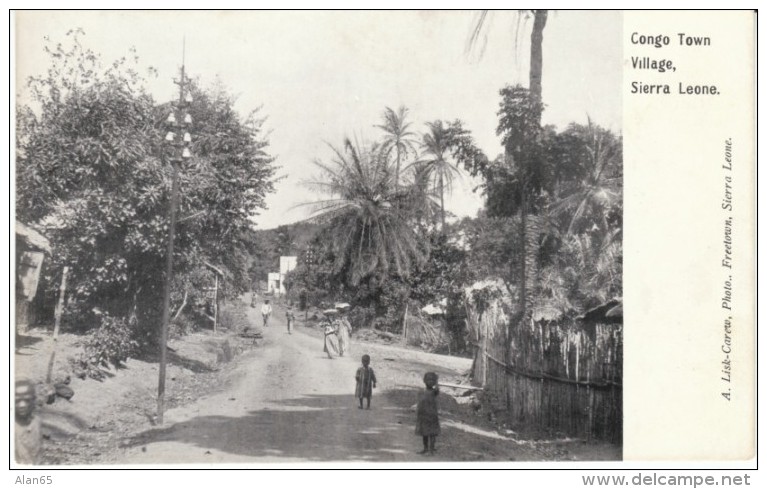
273,283
287,263
276,281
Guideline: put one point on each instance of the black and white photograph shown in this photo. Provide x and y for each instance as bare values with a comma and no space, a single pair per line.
267,237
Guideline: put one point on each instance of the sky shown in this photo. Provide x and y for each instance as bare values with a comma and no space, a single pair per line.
321,76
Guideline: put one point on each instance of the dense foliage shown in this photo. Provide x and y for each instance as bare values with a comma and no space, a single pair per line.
562,192
565,247
93,171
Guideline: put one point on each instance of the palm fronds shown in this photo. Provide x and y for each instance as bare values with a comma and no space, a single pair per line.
367,216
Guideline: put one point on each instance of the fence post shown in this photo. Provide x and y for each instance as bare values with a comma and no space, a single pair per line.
59,310
404,325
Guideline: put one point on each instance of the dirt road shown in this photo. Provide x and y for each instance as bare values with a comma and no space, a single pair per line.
287,402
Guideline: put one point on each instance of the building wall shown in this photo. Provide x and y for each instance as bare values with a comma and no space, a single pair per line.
287,263
274,284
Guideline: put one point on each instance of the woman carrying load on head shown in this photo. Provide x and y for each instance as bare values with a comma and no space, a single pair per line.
344,330
329,327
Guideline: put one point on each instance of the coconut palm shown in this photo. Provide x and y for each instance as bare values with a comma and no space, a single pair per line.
436,161
398,138
366,218
536,44
598,190
536,74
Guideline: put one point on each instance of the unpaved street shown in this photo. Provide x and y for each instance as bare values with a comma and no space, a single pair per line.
287,402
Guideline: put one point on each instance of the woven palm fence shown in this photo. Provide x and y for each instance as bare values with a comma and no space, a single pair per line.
558,375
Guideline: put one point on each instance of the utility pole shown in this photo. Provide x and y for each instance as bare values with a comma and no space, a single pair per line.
184,99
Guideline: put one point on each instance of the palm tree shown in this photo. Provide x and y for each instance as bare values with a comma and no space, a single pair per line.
398,138
435,161
536,45
599,187
528,252
366,218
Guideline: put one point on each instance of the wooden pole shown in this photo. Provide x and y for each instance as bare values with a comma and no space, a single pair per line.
215,305
57,323
404,324
166,296
181,308
483,325
175,160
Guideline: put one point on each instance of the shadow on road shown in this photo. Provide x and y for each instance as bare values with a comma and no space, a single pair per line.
312,428
177,360
23,341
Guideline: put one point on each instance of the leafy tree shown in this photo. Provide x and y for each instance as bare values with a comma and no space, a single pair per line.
93,171
516,182
574,231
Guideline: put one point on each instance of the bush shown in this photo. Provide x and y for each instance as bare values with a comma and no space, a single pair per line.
390,305
233,316
361,317
181,326
110,344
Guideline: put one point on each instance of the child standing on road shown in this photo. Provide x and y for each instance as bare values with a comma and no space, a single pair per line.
366,381
427,417
290,317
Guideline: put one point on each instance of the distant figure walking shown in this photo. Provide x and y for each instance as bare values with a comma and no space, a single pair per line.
427,414
266,312
331,341
366,381
331,334
290,318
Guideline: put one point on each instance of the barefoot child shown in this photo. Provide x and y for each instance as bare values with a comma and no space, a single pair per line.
366,381
427,418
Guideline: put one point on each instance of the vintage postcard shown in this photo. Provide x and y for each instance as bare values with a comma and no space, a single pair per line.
276,238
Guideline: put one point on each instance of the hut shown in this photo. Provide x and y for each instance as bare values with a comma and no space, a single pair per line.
425,327
31,248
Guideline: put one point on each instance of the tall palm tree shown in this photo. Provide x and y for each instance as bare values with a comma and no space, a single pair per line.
536,75
528,252
369,224
536,44
398,138
536,54
436,160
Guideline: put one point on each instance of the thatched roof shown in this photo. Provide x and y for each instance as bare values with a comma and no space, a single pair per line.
432,310
547,312
30,238
610,312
